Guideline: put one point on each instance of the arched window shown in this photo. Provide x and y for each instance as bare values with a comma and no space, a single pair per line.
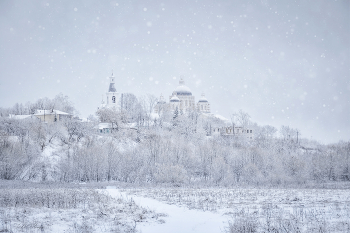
113,99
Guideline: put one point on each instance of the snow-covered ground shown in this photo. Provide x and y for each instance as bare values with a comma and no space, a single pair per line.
70,210
179,218
213,210
173,210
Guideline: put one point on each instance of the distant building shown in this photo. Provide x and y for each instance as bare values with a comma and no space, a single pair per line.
52,115
161,105
112,96
237,132
203,104
44,115
183,100
107,128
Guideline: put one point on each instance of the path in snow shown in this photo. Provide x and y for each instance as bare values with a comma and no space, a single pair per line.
180,219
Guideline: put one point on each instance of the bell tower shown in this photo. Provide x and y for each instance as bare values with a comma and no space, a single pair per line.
112,94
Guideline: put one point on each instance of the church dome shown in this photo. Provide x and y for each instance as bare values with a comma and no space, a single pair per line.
182,89
174,99
203,99
161,100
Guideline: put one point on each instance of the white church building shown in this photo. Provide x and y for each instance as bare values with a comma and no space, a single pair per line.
183,100
180,99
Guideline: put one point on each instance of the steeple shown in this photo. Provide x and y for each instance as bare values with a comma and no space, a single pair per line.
111,84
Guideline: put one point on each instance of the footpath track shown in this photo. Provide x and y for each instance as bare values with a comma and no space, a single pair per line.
179,219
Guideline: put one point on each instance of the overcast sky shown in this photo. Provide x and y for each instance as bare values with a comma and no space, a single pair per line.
283,62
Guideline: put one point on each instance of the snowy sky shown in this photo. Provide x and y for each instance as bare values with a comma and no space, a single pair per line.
283,62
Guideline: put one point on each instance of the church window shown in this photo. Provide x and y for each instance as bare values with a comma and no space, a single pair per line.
113,99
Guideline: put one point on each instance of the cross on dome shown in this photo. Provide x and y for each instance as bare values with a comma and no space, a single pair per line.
181,82
203,99
182,89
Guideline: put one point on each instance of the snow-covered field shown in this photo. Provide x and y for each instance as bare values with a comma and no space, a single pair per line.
179,218
174,210
276,210
70,210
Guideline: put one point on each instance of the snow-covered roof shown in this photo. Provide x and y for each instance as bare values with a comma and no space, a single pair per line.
19,117
112,88
182,89
174,99
40,112
203,99
104,126
111,84
221,118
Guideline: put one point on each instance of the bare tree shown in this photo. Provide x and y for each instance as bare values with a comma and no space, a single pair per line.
241,119
148,102
112,116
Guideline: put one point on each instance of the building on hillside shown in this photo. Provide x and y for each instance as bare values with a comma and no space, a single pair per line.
203,104
161,105
109,128
52,115
183,100
112,95
105,128
237,132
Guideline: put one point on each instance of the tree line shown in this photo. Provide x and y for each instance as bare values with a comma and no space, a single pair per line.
164,148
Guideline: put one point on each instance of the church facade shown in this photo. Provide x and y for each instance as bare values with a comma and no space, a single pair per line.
183,100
